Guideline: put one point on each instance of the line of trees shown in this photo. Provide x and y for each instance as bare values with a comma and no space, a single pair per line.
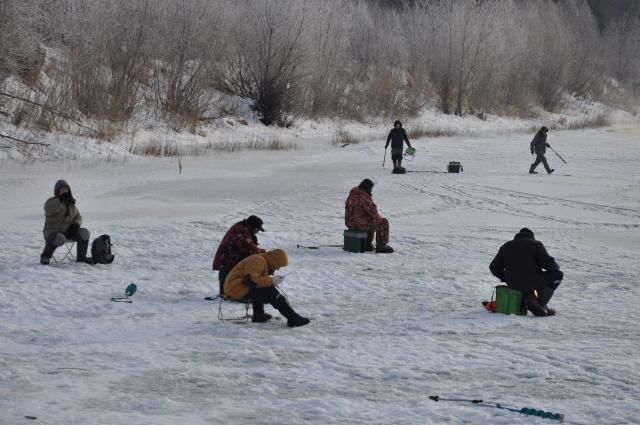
313,58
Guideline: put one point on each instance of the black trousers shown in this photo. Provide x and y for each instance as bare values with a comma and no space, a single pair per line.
540,158
552,279
77,234
268,295
222,275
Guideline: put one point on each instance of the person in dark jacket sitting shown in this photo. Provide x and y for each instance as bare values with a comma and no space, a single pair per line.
62,221
397,137
520,263
539,146
238,243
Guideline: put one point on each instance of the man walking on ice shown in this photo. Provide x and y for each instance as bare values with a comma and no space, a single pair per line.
539,146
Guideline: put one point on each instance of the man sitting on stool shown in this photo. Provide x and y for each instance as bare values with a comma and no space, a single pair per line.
253,278
520,264
238,243
62,222
361,215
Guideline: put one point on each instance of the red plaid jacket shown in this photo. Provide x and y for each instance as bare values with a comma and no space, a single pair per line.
238,243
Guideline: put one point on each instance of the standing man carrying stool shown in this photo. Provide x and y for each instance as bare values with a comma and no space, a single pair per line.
397,136
238,243
61,223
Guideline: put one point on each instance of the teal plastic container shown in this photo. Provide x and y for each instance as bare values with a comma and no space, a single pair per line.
354,241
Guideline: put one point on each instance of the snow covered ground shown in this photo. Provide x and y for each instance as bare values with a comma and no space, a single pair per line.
386,331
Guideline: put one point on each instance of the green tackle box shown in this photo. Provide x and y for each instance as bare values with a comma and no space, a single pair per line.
509,301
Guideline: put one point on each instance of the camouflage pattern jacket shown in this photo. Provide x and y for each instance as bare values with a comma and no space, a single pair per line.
360,212
238,243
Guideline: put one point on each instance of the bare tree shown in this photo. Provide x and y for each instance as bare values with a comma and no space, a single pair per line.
19,37
187,31
266,55
622,40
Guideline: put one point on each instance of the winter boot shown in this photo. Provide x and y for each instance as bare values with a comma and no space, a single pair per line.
533,172
259,316
81,253
550,171
544,295
293,318
531,303
47,253
384,249
369,245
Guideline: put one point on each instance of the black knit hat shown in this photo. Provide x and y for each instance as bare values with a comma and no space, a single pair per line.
255,223
366,184
544,129
526,232
397,122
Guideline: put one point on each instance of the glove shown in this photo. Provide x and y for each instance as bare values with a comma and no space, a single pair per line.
531,152
73,228
277,280
67,198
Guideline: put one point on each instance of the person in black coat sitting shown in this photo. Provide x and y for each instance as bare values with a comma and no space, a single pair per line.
397,136
524,264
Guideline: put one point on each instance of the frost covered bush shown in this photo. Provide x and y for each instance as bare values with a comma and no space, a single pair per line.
265,54
19,38
360,60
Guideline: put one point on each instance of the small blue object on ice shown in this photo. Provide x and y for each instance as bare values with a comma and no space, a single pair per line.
129,291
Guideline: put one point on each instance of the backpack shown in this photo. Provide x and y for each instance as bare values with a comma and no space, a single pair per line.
101,250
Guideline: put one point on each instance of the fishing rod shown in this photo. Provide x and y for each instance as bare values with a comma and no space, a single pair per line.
318,246
529,411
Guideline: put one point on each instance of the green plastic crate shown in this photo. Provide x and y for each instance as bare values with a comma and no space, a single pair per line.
509,301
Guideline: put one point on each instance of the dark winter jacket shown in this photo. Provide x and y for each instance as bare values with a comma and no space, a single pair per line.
519,263
397,137
238,243
59,215
539,143
60,212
